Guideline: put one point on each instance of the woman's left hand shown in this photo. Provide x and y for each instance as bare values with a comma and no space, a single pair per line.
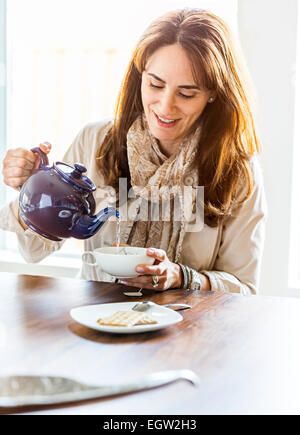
168,274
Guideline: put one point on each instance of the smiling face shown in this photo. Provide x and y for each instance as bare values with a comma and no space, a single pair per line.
172,101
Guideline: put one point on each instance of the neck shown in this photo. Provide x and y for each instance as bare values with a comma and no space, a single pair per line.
168,149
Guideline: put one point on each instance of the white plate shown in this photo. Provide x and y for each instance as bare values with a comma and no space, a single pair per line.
89,314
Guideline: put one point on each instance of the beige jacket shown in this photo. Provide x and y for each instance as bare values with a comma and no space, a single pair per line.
230,256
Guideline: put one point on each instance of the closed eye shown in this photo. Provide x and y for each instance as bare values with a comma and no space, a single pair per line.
155,86
186,96
152,85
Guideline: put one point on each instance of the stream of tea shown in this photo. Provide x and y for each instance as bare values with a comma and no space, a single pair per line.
118,235
123,252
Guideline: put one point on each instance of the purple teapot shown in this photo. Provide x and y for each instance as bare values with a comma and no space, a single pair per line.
57,202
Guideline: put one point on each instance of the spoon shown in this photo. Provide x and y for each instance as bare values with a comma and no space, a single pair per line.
138,293
146,305
49,390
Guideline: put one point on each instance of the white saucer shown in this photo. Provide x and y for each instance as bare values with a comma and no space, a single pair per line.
125,277
89,314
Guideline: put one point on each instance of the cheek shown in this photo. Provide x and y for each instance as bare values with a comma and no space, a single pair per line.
196,110
146,97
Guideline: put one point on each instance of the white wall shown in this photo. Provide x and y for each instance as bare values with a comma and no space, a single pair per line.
268,34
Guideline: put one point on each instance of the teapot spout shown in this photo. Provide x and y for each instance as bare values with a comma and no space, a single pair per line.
87,226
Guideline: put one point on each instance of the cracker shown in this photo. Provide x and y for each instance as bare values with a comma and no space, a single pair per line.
146,320
127,318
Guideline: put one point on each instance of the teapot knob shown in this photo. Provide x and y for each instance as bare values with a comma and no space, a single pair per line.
79,170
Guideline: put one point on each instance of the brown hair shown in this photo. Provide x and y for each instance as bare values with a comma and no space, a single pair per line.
228,139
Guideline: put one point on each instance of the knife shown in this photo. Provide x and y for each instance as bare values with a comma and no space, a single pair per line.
49,390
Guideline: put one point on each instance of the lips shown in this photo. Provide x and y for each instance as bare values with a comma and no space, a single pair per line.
165,122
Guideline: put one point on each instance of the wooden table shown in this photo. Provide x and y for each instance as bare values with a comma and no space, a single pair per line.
244,349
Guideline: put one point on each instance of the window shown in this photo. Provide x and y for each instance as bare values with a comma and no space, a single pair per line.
294,258
65,62
2,98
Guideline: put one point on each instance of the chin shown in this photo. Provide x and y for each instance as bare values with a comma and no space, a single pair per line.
160,133
159,136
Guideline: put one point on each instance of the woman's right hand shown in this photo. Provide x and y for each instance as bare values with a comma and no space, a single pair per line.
19,164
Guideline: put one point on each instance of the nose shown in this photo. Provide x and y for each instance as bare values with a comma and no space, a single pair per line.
167,103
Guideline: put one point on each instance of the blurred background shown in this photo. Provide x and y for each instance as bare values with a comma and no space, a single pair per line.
61,65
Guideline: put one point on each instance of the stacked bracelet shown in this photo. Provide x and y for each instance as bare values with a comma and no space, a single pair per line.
185,277
196,281
191,278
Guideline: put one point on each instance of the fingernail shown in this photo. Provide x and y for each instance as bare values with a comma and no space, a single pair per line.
123,282
151,251
139,269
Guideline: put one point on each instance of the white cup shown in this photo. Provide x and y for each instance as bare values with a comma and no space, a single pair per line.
119,262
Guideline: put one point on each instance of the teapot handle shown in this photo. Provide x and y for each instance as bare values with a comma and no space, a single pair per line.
44,158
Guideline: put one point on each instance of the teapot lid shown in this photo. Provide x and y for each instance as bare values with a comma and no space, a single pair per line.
75,175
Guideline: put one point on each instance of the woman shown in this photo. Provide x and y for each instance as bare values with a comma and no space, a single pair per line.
182,118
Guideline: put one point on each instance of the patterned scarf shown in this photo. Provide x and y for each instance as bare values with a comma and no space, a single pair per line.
160,212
